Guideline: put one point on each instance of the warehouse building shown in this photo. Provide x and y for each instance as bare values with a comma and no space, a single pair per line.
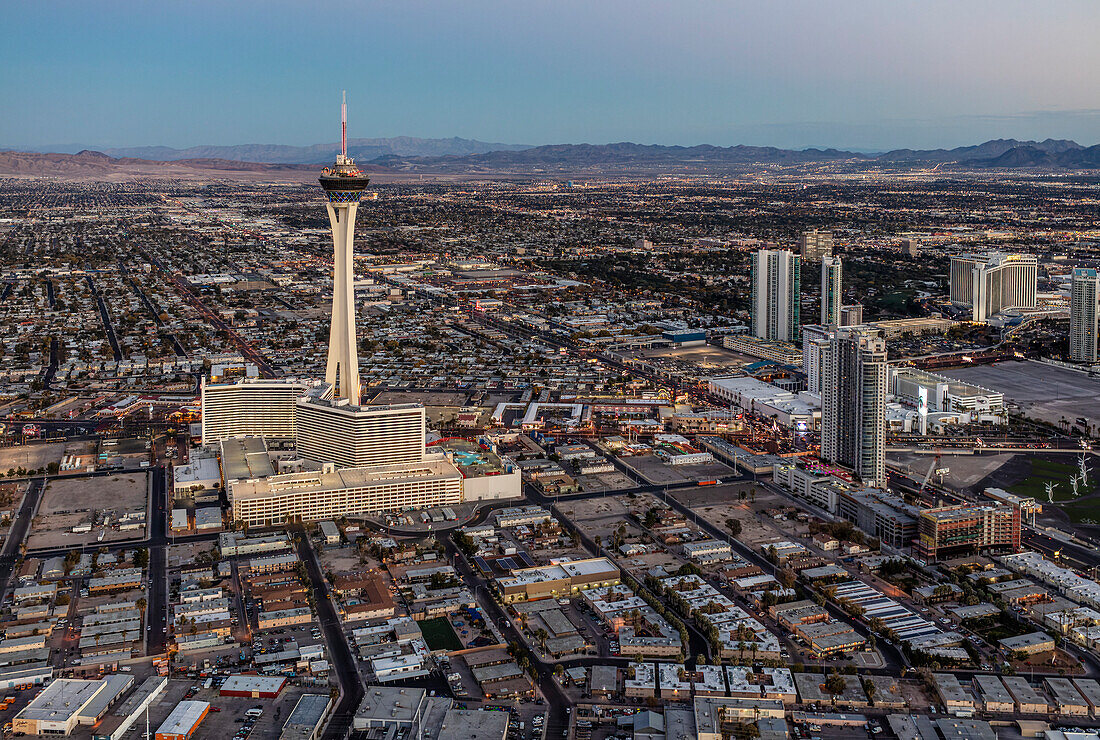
1026,698
994,697
254,687
955,699
201,473
67,702
115,725
474,724
800,411
183,720
26,674
307,718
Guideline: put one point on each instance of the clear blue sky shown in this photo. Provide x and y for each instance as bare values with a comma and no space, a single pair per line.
868,74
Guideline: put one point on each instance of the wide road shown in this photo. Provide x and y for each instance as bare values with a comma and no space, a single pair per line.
105,316
157,573
351,687
557,720
9,554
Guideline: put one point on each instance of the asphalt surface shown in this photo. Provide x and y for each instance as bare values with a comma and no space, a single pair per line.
157,600
347,673
9,554
108,328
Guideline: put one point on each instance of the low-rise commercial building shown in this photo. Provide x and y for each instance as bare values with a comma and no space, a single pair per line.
255,687
1026,698
993,695
66,703
1068,701
561,579
284,618
955,699
307,718
183,720
1030,644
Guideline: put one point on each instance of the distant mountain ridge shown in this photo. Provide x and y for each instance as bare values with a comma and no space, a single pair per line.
996,153
986,151
362,150
92,164
561,159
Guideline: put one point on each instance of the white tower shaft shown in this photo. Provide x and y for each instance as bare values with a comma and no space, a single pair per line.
342,370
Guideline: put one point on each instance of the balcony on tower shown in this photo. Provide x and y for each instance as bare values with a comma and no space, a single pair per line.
343,182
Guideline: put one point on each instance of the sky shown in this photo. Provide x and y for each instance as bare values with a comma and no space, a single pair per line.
868,75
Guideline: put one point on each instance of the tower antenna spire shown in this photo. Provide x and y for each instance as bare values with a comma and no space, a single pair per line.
344,125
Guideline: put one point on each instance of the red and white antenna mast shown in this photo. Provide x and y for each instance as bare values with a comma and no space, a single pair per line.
344,125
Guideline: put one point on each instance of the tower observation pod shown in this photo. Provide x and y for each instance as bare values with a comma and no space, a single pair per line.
343,184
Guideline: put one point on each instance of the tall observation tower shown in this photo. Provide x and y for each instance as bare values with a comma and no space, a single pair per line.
343,184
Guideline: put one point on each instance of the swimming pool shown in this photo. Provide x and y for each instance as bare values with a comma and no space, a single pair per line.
468,458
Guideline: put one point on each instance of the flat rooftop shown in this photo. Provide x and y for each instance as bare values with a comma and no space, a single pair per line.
183,718
305,716
292,484
473,724
253,683
389,705
61,699
245,457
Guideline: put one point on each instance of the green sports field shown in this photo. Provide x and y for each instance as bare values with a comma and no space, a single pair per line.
439,634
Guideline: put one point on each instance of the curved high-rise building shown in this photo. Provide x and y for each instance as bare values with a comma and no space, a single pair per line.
344,185
995,282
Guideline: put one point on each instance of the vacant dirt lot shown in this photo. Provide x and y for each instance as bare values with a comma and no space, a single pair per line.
119,493
71,501
39,455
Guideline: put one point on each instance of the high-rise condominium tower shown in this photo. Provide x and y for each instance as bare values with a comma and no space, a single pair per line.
830,291
853,402
1082,314
343,184
815,244
775,289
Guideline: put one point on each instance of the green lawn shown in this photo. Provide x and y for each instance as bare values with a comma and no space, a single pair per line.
1043,470
895,302
439,634
1083,512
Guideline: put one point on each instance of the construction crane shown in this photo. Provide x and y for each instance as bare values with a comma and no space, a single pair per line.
931,470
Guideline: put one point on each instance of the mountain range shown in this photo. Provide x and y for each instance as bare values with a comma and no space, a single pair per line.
360,149
97,165
997,153
404,157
